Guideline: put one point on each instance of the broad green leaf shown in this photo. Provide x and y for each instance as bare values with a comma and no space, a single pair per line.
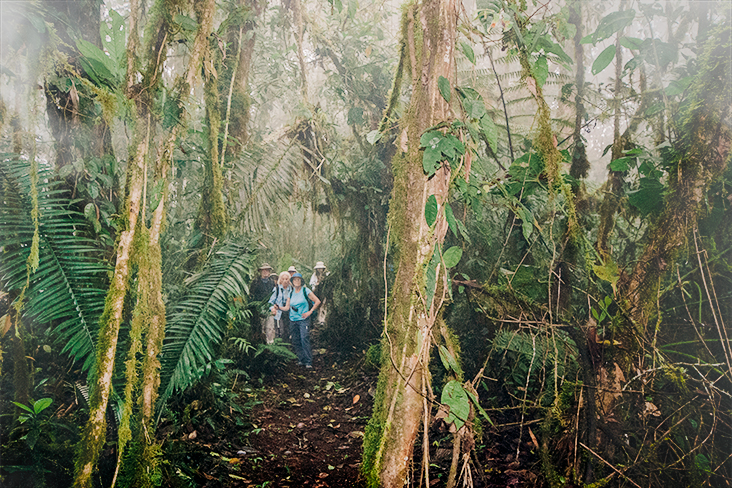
42,404
444,85
540,70
431,138
373,137
452,256
90,211
603,60
157,194
431,160
475,401
632,43
607,271
450,217
463,231
658,53
622,164
677,87
24,407
454,396
430,210
609,25
468,51
488,128
648,198
526,221
443,357
431,276
474,108
449,361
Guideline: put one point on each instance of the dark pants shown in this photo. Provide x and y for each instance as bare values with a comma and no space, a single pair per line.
300,336
283,326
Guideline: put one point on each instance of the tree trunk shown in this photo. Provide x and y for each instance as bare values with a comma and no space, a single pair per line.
704,149
399,408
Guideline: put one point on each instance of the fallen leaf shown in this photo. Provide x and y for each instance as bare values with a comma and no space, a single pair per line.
533,439
323,475
306,395
192,435
356,399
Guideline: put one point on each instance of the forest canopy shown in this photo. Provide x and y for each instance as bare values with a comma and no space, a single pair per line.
524,207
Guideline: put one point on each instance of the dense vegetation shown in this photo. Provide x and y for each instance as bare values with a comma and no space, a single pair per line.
525,208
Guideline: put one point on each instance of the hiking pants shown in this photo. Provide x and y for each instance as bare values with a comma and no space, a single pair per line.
300,336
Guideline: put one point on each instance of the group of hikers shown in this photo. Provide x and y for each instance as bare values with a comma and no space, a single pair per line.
292,305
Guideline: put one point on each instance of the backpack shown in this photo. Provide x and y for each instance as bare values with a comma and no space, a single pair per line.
307,298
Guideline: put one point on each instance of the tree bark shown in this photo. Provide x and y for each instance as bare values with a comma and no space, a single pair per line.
393,429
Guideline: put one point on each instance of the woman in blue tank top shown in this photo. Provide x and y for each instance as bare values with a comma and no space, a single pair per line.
300,312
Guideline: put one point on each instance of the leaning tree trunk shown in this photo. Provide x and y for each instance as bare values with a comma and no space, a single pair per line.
400,400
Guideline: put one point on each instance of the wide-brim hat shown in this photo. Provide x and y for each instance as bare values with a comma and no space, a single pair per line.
319,265
292,269
265,266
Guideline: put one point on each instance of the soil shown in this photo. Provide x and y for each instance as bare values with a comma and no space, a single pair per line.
307,431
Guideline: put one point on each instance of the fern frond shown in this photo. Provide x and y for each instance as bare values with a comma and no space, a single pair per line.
196,324
265,174
68,289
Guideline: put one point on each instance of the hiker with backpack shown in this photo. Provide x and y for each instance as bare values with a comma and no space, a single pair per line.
260,290
280,305
302,304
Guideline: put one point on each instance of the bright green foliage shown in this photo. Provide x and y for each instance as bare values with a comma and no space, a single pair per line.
68,288
197,322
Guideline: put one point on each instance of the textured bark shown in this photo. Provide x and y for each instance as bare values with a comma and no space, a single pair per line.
242,37
94,430
580,165
405,375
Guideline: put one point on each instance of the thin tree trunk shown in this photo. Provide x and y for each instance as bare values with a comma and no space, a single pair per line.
94,431
393,429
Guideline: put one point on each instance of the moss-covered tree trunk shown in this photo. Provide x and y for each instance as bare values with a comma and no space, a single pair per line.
704,153
94,431
430,30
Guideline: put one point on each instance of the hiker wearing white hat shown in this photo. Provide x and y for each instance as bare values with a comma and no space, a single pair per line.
318,274
292,270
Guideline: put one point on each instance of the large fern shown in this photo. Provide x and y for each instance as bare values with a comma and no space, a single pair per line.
196,324
264,178
68,289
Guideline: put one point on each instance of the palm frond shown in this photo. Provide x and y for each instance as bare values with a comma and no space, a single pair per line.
195,325
68,289
265,175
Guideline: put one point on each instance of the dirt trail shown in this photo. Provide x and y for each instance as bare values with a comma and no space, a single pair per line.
308,430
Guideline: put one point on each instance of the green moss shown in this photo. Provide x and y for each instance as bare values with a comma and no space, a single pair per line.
212,220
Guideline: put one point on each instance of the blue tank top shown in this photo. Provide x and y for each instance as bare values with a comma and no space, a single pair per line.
299,303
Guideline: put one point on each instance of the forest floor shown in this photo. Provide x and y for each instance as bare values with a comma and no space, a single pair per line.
307,429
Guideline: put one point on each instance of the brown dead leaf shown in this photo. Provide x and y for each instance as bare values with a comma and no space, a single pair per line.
356,399
6,324
533,439
323,475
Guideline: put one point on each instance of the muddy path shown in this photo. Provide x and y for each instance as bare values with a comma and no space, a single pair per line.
306,429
